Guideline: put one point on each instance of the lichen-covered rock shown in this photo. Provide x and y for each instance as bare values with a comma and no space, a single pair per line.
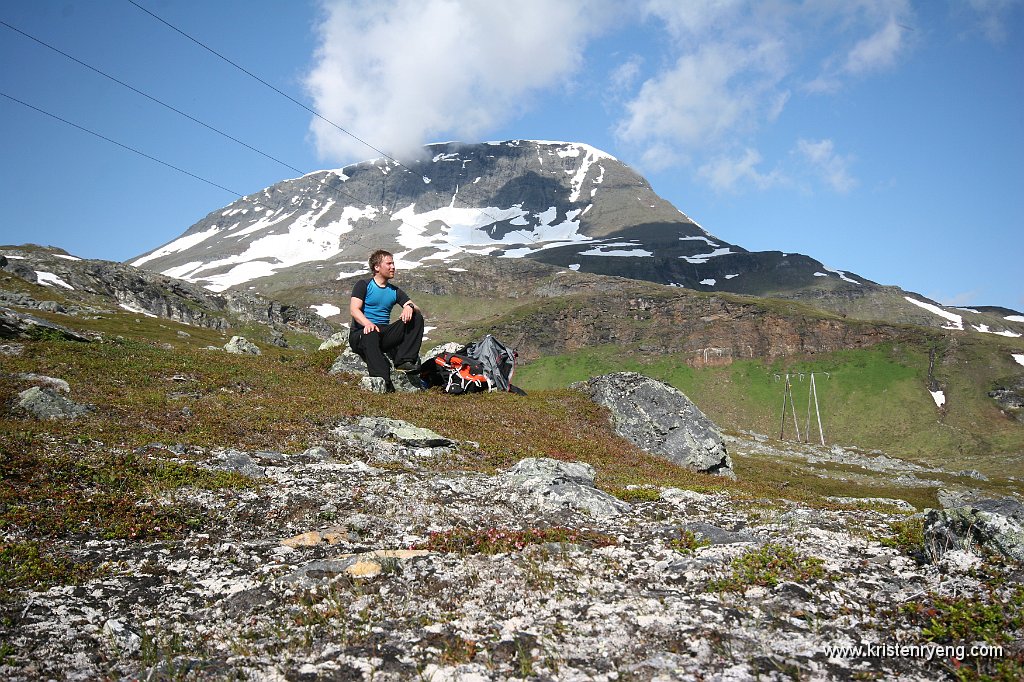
661,420
46,403
983,525
239,345
336,340
557,485
350,362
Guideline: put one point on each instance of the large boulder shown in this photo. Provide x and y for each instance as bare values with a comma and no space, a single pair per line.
661,420
981,526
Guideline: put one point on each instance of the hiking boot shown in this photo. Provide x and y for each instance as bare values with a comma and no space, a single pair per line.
407,366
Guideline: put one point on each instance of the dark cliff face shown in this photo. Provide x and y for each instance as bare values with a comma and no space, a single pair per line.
705,330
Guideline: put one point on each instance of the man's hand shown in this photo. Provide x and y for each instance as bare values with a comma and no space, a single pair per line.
370,327
407,311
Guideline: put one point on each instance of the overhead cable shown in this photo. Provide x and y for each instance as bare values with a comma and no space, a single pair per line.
119,144
309,109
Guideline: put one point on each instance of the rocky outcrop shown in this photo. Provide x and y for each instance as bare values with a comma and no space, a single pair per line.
1010,397
661,420
335,567
150,293
995,526
702,330
16,325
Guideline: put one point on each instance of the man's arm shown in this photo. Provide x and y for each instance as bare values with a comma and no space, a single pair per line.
355,307
407,306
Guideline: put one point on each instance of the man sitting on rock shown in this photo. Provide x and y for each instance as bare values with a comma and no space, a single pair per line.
373,336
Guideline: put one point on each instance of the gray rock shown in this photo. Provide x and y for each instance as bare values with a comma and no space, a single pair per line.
14,324
373,384
553,470
278,339
239,345
661,420
52,307
317,572
402,432
715,535
556,485
239,462
336,340
50,382
348,362
45,403
450,347
984,525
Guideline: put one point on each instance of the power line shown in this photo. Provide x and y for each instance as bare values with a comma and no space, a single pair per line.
309,109
119,144
150,97
182,113
252,75
170,107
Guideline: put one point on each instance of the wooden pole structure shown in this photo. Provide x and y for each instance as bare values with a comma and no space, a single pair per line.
817,411
785,400
792,407
788,398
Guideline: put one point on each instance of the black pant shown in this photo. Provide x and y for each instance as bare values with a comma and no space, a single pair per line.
399,341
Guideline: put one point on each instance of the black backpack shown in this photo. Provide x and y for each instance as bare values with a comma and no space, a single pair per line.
487,365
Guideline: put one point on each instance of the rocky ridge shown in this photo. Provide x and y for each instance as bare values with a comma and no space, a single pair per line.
93,286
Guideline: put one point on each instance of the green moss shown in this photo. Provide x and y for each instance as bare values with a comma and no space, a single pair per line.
687,542
907,536
29,565
767,567
501,540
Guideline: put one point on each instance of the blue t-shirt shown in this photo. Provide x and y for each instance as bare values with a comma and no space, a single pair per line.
378,300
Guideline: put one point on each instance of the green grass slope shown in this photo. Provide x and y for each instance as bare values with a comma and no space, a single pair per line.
874,398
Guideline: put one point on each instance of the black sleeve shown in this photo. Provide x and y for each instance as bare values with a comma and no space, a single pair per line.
401,298
359,290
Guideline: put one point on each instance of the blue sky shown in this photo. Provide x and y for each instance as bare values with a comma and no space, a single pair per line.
883,137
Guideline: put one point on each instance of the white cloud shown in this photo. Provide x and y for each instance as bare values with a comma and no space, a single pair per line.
831,167
717,91
732,68
992,17
625,75
727,173
399,73
876,52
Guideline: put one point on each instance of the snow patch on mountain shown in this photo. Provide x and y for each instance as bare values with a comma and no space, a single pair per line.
842,275
939,397
326,310
49,279
1019,357
462,229
1014,318
955,321
703,257
180,244
629,250
984,328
